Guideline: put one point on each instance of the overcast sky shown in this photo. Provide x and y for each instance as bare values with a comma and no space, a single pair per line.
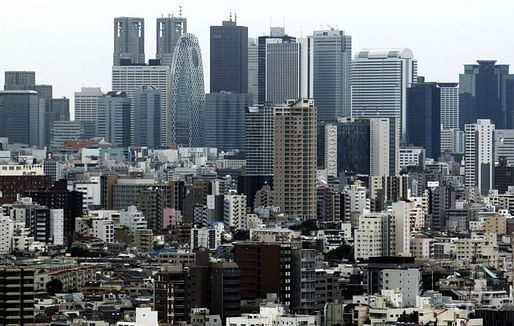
69,43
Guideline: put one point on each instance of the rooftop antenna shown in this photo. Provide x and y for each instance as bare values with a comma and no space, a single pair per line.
230,16
235,16
180,11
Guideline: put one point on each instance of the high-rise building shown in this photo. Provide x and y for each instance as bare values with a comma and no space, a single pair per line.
380,78
294,158
449,105
113,118
375,236
169,30
170,294
259,140
22,117
234,211
424,118
61,131
225,116
86,104
44,91
229,58
479,155
132,77
129,40
487,92
504,145
332,60
57,110
187,94
147,117
16,295
20,81
253,68
452,141
384,147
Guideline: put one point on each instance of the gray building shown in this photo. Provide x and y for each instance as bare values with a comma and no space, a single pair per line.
253,68
408,281
332,60
229,58
147,122
169,30
44,91
282,71
113,118
62,131
86,103
20,80
259,140
380,78
129,41
187,94
57,109
22,117
225,116
504,145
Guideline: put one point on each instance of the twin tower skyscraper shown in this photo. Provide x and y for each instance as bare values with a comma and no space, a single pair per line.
176,73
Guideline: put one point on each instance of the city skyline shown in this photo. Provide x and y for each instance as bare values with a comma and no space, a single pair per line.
434,45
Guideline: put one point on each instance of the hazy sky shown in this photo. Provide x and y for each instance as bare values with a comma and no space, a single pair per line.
69,43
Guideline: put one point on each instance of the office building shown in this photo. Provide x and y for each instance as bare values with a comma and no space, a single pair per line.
225,113
332,64
16,296
452,141
113,118
130,78
13,185
57,109
259,122
449,105
486,92
253,68
86,104
376,93
169,30
147,117
411,156
129,41
424,118
22,117
20,81
479,155
504,145
229,58
503,175
61,131
294,158
187,94
44,92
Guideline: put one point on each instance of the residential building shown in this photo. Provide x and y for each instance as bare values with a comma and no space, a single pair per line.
16,296
479,155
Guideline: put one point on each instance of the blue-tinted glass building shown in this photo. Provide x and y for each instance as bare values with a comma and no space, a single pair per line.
424,117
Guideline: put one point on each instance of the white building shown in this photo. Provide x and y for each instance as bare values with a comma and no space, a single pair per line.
91,190
6,234
452,141
374,236
103,229
206,237
234,211
479,155
86,103
449,105
57,226
144,317
21,169
380,78
129,78
412,156
384,158
408,281
133,219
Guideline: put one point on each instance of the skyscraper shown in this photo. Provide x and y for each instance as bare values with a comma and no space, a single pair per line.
379,147
294,158
487,92
479,155
113,118
129,40
147,112
282,71
169,30
449,105
259,140
57,109
22,117
253,68
129,78
187,93
380,78
225,116
229,58
332,59
424,117
86,104
20,81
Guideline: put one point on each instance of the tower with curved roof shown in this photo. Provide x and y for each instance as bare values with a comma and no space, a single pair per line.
187,94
